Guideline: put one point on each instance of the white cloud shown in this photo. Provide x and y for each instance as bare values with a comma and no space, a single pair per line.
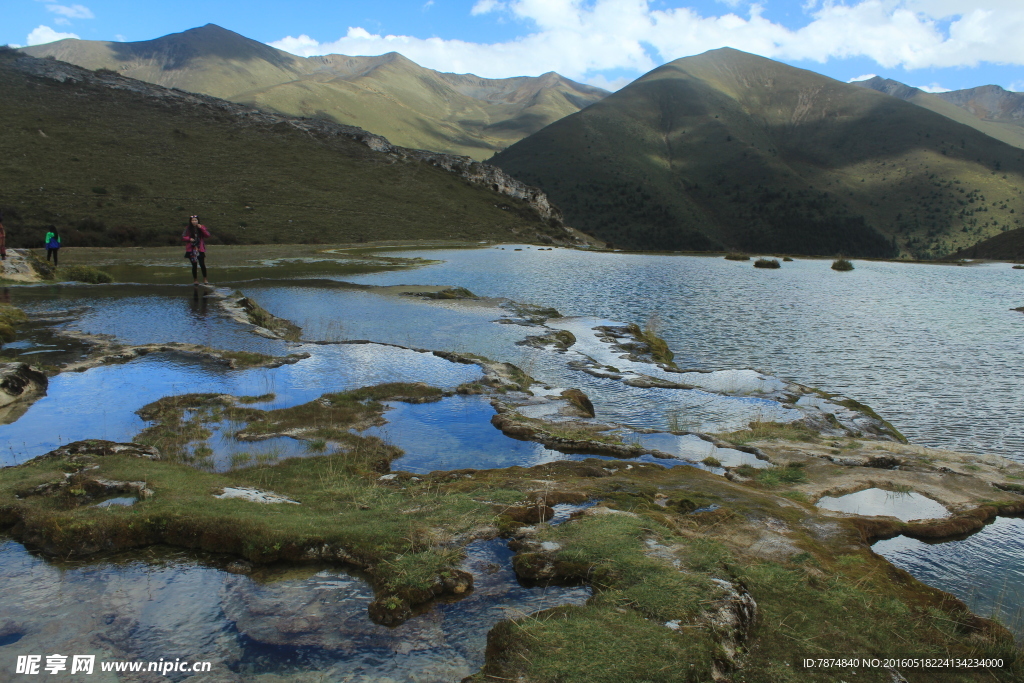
72,12
427,5
865,77
62,21
579,39
933,88
1014,87
485,6
614,84
45,34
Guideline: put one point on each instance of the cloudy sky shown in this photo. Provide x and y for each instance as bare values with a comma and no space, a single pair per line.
934,44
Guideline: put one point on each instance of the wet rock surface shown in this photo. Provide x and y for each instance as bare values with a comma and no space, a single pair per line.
20,384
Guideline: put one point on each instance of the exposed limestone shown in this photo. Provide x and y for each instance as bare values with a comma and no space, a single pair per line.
246,311
19,267
20,386
580,401
254,495
561,340
105,350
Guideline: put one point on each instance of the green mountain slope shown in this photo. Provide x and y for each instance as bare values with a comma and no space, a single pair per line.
387,95
1008,246
990,109
733,151
111,160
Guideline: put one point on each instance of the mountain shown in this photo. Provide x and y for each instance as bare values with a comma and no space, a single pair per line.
1008,246
990,109
388,95
114,161
727,150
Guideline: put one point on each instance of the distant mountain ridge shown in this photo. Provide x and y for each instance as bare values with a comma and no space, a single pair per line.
728,150
988,108
388,95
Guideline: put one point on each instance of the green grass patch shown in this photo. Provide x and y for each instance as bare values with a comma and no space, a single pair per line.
779,476
767,263
595,644
765,431
87,274
390,532
657,346
10,318
842,265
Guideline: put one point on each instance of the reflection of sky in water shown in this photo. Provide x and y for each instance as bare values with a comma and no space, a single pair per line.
161,603
411,321
934,349
455,433
144,314
100,403
879,502
690,447
984,570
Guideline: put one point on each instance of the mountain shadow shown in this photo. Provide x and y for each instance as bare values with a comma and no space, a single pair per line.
739,152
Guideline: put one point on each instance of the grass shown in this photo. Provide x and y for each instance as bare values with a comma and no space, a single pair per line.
161,160
767,263
333,489
10,318
842,264
181,422
734,256
79,273
779,476
761,430
832,597
658,347
260,317
887,427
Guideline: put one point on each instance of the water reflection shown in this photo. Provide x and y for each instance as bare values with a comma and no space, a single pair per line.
905,505
100,403
985,570
287,622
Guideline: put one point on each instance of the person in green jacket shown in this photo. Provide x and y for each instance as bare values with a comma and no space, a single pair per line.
52,243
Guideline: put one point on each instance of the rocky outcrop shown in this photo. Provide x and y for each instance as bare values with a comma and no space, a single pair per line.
580,401
20,386
473,172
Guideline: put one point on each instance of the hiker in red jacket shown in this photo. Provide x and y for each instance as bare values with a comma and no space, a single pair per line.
195,250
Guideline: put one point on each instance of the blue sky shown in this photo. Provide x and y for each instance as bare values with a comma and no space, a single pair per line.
936,44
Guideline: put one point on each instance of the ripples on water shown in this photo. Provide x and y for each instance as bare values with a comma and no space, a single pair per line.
984,570
934,349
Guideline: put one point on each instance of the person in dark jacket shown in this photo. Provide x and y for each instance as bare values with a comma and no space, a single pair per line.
52,243
195,249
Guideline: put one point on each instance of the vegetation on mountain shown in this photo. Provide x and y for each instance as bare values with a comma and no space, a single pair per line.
1008,246
731,151
114,161
990,109
389,95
